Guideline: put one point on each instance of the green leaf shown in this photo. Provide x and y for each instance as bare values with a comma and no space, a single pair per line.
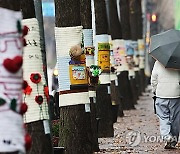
19,28
13,104
2,101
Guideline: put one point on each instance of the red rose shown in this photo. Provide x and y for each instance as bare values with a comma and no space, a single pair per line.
25,85
35,78
28,142
28,90
39,99
46,92
23,108
25,30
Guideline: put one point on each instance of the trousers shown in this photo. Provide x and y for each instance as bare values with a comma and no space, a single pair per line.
168,112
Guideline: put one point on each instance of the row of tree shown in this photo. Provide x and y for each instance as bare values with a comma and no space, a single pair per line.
79,130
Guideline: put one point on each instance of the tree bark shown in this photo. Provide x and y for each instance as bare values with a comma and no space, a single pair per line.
100,17
94,122
117,107
104,112
125,91
140,19
41,142
8,4
104,105
133,14
73,130
114,23
67,13
125,24
73,119
85,14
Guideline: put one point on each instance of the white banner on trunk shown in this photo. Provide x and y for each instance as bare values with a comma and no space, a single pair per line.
11,121
32,69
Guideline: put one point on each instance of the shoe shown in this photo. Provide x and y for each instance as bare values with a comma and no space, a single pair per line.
169,145
168,138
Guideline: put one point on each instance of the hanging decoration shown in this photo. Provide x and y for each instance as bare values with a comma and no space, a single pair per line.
94,72
104,56
77,66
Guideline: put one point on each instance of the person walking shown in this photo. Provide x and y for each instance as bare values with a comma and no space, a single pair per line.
166,87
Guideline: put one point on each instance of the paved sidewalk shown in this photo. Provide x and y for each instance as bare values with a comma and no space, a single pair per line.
136,132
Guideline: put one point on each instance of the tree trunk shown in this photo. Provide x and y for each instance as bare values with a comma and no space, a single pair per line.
134,89
100,17
115,25
74,121
73,130
116,33
117,107
8,4
94,121
140,19
86,22
41,142
125,90
126,95
104,111
104,105
126,25
65,13
85,14
136,32
140,36
133,18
